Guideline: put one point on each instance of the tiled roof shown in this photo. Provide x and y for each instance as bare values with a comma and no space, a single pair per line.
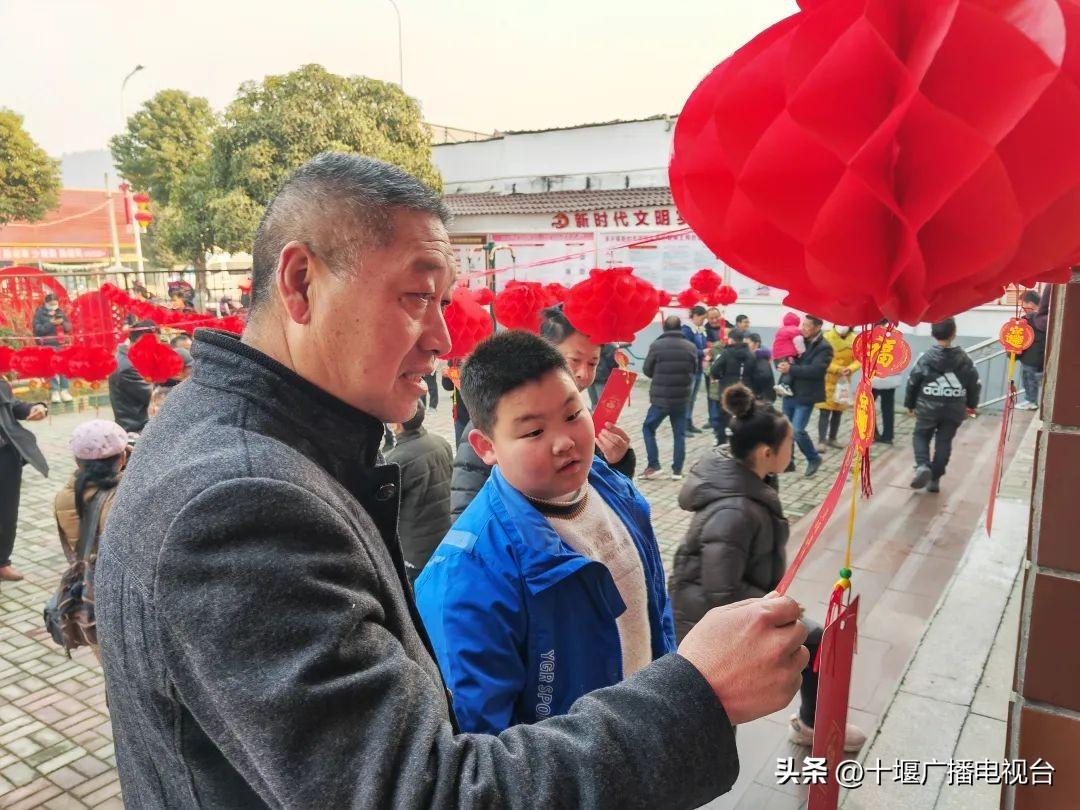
550,202
69,224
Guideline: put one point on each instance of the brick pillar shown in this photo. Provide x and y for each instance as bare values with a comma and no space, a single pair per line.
1044,713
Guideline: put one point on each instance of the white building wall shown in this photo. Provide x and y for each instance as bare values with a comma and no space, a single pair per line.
634,155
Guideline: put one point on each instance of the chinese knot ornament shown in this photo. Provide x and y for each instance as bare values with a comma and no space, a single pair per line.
611,306
467,321
894,159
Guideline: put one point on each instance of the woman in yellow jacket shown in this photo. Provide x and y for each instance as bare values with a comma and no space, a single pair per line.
843,366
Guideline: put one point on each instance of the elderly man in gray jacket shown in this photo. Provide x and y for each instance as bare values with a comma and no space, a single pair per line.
260,642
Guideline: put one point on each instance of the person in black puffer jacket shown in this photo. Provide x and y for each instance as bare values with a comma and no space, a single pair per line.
583,357
735,363
942,389
672,364
426,461
734,548
129,393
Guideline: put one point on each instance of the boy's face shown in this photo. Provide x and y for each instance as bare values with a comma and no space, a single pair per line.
583,356
542,439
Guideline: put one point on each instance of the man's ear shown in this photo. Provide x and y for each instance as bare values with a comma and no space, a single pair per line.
292,280
483,447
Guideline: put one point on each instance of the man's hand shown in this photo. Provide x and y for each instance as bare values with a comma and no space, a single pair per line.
783,367
613,442
37,413
752,655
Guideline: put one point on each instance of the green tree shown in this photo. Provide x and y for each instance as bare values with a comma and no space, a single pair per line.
29,178
275,125
168,136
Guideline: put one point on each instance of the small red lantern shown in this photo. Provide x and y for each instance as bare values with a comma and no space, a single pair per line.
519,305
483,296
689,298
90,363
6,355
556,293
705,281
154,360
722,296
467,321
611,306
34,361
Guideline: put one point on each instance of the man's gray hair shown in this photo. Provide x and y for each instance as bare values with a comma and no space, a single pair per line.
336,204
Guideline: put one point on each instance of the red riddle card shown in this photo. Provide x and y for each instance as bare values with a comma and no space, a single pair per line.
613,398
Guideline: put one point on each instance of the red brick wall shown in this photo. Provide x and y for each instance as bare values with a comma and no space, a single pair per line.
1044,716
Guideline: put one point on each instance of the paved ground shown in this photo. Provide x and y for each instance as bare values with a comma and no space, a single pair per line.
55,739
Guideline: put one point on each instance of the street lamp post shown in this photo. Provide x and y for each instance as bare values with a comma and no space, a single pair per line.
400,49
123,85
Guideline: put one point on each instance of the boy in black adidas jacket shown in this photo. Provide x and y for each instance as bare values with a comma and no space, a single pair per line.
942,389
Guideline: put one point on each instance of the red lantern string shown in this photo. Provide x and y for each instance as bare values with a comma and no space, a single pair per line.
33,361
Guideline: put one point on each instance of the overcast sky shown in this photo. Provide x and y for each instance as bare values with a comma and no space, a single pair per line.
476,64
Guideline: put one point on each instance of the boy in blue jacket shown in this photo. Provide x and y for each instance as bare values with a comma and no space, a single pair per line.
550,584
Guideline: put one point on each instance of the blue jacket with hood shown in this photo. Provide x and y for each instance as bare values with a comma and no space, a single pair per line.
522,625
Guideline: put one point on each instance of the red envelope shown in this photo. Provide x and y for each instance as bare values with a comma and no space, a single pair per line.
613,398
834,685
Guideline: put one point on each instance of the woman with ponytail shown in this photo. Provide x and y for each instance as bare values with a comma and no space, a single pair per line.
734,548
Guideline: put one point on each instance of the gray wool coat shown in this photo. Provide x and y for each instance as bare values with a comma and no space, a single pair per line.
262,649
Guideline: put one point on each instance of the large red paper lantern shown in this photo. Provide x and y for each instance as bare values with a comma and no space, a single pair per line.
483,296
895,159
6,354
518,306
611,306
705,281
467,321
154,360
34,361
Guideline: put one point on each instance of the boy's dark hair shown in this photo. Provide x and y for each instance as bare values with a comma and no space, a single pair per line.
140,328
815,321
736,335
672,323
51,297
417,419
178,339
555,327
753,337
1030,297
501,364
741,318
944,330
697,309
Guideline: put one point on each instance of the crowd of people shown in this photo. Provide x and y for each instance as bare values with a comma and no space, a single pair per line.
287,618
